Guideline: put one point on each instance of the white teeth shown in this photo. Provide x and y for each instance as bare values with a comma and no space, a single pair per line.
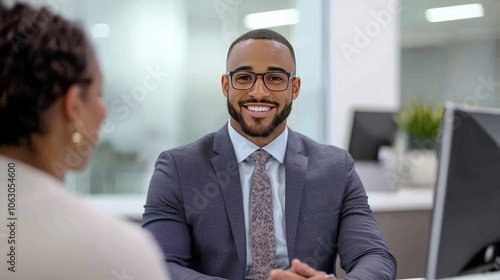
259,108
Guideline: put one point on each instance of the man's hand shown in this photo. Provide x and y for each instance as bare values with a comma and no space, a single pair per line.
299,271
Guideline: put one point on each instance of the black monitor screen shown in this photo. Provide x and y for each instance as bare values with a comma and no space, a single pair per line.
370,130
466,216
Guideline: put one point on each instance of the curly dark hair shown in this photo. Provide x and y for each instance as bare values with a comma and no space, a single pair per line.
41,56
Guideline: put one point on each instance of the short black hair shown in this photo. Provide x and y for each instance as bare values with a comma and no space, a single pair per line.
263,34
41,56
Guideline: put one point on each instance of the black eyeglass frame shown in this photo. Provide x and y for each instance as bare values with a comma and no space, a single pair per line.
288,74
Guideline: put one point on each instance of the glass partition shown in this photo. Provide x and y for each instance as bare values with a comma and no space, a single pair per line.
162,61
444,59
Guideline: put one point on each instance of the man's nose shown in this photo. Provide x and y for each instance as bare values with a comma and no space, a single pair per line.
259,89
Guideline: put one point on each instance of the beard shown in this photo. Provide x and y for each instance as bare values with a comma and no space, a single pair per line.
259,129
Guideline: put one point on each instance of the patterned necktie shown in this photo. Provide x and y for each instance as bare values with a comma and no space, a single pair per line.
262,222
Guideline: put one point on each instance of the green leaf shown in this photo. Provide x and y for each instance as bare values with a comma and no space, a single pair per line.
420,120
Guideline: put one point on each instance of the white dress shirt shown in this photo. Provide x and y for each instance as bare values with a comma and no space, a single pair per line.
275,168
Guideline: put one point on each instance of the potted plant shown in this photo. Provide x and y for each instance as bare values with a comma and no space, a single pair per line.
421,123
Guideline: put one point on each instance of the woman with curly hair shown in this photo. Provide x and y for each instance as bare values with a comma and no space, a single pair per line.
51,110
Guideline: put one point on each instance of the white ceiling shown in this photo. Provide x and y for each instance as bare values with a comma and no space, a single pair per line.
417,31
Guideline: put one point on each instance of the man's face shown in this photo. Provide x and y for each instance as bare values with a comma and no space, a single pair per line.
258,111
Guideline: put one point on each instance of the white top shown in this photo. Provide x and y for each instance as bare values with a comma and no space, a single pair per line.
48,233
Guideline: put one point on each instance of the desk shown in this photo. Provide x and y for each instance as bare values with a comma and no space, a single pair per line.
486,276
403,217
130,206
405,199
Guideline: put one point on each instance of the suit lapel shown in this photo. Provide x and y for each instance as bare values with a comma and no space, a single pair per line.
296,166
226,168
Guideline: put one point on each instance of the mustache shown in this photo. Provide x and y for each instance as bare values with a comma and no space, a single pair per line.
255,100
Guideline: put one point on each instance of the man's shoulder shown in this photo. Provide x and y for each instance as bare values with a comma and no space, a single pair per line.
312,147
200,146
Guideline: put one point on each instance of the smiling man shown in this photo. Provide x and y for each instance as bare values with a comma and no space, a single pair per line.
256,200
259,107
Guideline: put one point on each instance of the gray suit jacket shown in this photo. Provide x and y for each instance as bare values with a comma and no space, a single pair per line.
194,209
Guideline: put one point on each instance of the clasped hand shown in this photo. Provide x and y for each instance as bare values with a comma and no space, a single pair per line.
298,271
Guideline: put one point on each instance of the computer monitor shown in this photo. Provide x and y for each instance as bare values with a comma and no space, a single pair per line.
370,130
466,216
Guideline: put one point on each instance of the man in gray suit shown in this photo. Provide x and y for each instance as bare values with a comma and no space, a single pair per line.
200,205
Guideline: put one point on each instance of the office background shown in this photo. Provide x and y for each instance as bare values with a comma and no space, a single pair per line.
162,61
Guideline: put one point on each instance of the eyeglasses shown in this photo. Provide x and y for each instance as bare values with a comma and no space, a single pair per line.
274,81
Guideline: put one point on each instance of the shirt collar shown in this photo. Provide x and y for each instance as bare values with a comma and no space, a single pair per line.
244,147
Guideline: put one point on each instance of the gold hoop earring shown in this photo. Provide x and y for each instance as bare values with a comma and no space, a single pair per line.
76,138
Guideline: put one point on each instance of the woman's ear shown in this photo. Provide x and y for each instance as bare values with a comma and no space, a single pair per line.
71,103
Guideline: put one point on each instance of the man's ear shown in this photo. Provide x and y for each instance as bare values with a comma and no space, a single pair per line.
225,85
295,88
71,103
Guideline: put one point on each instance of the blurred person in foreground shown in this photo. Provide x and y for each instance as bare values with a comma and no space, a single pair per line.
256,200
51,110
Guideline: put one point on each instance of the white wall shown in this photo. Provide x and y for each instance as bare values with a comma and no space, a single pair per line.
365,60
